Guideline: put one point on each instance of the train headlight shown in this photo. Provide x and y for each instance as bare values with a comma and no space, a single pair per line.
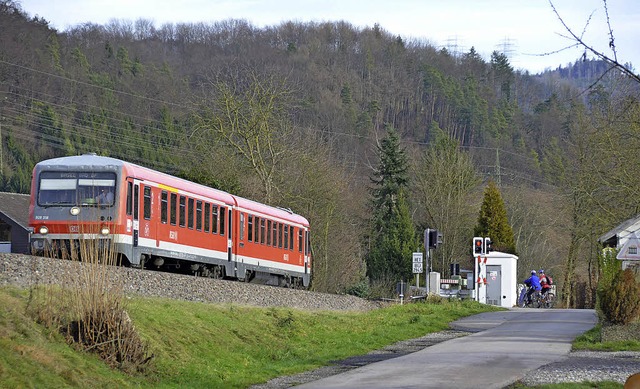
105,230
75,211
43,230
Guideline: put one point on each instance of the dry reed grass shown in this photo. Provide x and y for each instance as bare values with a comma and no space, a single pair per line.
89,308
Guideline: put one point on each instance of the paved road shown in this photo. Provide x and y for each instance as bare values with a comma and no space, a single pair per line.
503,348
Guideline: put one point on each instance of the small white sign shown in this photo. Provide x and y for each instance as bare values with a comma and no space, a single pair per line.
417,263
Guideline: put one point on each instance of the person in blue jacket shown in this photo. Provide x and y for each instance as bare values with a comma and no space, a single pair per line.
533,283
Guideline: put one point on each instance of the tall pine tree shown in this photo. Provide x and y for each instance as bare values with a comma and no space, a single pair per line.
493,221
392,235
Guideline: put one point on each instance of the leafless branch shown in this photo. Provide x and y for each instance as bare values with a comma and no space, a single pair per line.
613,62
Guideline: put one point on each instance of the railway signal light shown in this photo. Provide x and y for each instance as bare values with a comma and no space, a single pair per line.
478,246
435,238
487,245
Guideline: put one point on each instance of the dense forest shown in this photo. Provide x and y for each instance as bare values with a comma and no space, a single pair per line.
294,115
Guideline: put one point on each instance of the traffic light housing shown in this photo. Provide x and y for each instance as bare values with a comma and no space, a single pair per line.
478,246
435,238
487,245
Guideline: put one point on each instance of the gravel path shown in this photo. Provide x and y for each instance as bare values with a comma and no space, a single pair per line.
24,271
591,366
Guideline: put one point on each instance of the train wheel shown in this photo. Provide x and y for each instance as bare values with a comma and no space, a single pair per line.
218,272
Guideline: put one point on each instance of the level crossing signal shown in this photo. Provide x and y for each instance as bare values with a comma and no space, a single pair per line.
478,246
482,246
487,245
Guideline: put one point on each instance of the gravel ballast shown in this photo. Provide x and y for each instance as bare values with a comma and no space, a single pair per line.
25,271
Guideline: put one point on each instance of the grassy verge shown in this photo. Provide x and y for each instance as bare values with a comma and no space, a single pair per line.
204,345
591,340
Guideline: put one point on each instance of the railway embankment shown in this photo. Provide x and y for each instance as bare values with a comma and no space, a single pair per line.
25,270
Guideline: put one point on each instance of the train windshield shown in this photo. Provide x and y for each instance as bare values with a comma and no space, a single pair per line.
76,189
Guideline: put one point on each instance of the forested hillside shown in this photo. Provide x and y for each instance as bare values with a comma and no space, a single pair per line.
292,115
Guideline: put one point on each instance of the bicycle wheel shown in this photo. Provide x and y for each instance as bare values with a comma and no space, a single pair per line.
536,300
550,300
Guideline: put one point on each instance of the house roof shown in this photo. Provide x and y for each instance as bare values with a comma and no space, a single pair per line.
623,229
15,207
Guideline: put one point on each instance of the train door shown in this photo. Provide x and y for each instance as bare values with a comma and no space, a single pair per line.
307,252
230,250
133,218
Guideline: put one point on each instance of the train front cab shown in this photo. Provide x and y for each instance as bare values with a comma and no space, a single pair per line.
70,207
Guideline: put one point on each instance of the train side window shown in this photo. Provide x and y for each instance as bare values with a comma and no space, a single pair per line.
300,240
241,225
146,210
214,220
190,214
250,229
256,230
280,235
199,215
223,217
286,237
174,207
275,234
164,203
183,211
307,249
129,194
291,238
207,216
269,233
263,223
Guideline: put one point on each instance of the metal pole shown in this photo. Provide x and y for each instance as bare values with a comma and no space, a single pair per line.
426,261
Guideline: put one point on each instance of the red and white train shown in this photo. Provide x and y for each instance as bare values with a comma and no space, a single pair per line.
152,218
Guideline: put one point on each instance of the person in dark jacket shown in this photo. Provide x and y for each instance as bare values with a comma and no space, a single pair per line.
533,283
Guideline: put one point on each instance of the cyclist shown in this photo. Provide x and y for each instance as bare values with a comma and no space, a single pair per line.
545,282
533,283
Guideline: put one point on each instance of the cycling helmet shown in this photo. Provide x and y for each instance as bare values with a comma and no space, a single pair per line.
541,271
533,272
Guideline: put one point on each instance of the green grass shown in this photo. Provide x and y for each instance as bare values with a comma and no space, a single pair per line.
590,340
201,345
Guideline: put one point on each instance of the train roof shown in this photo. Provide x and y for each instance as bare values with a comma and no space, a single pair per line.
84,161
282,213
89,161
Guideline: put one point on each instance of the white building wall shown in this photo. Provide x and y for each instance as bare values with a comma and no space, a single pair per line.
509,282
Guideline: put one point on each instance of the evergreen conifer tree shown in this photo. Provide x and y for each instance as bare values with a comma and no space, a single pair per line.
493,221
392,236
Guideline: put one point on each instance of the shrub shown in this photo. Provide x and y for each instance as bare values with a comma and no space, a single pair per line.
361,289
620,303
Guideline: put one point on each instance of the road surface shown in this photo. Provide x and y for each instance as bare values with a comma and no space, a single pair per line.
504,346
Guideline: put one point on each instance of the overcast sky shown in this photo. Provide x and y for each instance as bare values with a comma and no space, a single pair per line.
523,29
